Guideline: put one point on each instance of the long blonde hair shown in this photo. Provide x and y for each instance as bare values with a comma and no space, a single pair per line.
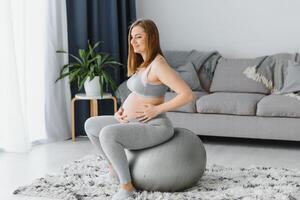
135,60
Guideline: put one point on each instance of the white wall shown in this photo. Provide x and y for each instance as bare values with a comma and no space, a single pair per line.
236,28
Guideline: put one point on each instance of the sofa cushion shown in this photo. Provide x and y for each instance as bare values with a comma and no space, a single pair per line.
272,72
229,77
198,58
229,103
281,61
204,63
292,79
177,58
190,107
188,73
278,106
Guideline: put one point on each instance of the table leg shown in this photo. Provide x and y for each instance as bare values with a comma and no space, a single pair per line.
94,107
73,118
115,104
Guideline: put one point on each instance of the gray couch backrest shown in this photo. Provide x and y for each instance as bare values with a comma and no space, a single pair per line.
203,61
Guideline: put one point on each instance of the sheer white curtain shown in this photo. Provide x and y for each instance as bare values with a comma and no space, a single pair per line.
32,107
58,95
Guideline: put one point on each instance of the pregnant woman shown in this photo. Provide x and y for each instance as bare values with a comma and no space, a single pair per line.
141,121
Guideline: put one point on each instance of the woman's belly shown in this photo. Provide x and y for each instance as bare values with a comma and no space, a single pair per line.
135,103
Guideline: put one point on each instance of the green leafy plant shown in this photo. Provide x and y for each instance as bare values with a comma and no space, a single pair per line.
88,65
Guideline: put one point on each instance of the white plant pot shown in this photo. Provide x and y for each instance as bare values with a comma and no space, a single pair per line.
92,88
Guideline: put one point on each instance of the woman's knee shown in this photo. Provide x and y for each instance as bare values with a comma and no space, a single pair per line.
91,126
108,134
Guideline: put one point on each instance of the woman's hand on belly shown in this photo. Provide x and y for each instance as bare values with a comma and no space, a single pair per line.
121,116
149,111
136,106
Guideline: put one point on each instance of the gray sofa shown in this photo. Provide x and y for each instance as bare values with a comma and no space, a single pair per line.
230,104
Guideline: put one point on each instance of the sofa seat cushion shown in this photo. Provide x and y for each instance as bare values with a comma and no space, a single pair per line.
278,106
189,107
229,103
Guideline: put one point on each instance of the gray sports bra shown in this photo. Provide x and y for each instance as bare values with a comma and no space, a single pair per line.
136,84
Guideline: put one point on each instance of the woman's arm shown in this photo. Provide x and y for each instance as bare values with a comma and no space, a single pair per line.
169,77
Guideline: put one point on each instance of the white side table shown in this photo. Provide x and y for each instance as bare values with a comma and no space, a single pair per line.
93,106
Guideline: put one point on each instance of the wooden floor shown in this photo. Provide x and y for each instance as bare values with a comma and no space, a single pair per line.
22,168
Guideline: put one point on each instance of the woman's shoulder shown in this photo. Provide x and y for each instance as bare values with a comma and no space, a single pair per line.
159,59
159,62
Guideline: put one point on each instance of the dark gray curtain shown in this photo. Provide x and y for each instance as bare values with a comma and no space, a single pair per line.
99,20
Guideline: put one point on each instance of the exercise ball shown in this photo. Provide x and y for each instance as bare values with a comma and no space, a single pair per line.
174,165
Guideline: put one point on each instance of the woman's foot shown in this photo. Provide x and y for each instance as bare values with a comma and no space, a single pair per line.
125,192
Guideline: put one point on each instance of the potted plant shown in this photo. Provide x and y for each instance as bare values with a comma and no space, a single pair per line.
89,69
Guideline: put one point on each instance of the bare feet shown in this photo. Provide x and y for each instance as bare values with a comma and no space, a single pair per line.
127,190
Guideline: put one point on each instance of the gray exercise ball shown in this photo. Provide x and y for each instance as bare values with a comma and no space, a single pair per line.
174,165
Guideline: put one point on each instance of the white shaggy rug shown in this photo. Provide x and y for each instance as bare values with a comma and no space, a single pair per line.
88,178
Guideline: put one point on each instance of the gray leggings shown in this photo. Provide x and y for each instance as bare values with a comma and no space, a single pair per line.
110,137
